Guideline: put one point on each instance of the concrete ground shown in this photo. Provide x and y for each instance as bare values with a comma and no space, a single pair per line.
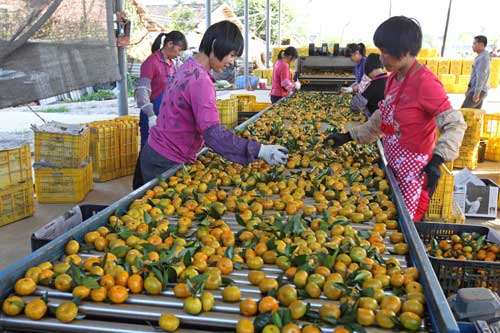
15,237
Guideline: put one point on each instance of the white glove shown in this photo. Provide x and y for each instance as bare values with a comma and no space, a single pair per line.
273,154
297,85
346,89
152,121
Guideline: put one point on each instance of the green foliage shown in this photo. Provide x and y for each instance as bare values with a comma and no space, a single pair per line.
59,109
182,18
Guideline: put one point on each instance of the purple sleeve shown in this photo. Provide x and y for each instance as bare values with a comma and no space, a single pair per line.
231,146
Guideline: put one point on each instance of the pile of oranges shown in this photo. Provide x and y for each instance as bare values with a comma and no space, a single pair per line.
214,217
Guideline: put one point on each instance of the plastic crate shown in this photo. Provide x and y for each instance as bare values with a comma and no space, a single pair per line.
456,68
491,126
467,157
440,206
259,106
104,150
62,150
129,142
228,111
467,66
244,101
454,274
15,164
63,223
474,120
16,202
493,150
63,185
457,216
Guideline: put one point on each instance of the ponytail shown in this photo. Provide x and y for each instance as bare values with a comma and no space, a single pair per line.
162,39
362,49
289,52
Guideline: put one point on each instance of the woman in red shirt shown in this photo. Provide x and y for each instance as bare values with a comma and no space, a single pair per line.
415,103
282,78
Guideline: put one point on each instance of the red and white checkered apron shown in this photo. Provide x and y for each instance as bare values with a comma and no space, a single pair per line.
405,164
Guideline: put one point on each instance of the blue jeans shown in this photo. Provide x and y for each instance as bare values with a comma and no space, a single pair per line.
153,164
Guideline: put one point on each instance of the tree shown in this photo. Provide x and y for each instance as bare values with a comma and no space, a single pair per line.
182,18
257,16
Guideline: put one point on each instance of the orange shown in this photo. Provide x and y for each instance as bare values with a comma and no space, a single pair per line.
72,247
99,294
135,283
255,277
25,286
121,278
107,281
225,265
245,326
231,294
81,291
66,312
63,282
36,309
118,294
181,290
169,322
268,303
248,307
13,305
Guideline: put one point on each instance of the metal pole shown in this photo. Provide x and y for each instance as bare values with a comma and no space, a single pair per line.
268,31
245,69
390,8
208,12
446,29
279,23
122,67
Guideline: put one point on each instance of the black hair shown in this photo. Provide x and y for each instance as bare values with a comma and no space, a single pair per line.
398,36
222,38
481,39
289,52
372,62
353,47
174,36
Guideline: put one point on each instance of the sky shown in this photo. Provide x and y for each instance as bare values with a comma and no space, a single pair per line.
355,20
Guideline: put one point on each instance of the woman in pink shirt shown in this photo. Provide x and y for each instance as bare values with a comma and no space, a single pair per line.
282,78
188,117
157,72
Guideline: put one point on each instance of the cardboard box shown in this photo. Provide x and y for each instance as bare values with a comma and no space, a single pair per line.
477,200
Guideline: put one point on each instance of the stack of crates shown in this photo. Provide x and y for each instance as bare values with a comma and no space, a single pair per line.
129,140
440,206
494,72
228,112
114,147
467,66
444,66
63,168
456,68
448,81
462,84
470,145
264,73
491,132
16,182
433,65
244,101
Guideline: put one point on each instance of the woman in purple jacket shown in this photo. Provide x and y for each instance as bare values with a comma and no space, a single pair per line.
188,117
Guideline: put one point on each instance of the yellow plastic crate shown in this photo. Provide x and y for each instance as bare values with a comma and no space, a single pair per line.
16,202
259,106
448,81
228,111
129,143
474,120
456,68
105,150
433,65
493,150
467,157
244,101
494,73
62,150
444,66
457,216
463,79
63,185
15,165
440,206
467,66
491,126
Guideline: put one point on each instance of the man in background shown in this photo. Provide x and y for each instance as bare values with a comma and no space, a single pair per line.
478,84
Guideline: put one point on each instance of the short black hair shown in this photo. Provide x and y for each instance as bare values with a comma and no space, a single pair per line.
372,62
481,39
398,36
289,52
353,47
222,38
